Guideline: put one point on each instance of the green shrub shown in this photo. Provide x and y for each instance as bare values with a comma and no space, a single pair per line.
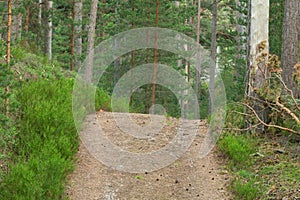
46,142
238,148
102,100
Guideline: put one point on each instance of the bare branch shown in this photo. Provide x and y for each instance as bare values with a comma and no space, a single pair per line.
287,110
289,90
269,125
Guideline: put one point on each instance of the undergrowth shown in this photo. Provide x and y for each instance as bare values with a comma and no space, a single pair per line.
45,144
262,166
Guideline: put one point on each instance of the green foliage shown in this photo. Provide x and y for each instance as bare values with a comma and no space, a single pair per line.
46,142
41,177
238,148
245,189
102,100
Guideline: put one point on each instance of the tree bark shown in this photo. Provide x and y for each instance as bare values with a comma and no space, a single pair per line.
40,12
213,54
78,33
91,42
48,28
132,55
198,62
290,45
73,38
155,60
241,38
258,46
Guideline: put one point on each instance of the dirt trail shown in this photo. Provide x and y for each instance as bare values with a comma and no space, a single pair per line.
187,178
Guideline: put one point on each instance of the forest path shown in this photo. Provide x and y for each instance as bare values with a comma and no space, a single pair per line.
189,177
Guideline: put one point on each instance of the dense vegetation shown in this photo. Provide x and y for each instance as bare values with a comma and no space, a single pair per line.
38,138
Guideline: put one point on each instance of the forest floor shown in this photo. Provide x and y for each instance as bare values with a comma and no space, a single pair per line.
189,177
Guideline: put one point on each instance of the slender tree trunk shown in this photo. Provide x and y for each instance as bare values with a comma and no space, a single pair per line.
155,60
78,33
213,56
9,19
73,38
198,62
132,55
91,41
40,12
116,43
179,62
48,28
258,46
241,39
290,46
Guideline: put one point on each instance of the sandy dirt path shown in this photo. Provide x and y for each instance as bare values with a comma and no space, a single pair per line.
187,178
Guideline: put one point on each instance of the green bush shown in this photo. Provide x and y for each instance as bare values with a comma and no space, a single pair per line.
238,148
102,100
46,142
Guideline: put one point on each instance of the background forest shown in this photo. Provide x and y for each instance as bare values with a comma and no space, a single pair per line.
43,43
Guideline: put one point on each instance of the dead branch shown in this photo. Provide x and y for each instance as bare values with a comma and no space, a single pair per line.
242,129
288,111
269,125
290,91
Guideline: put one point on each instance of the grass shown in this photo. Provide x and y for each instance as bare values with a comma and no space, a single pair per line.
238,148
258,169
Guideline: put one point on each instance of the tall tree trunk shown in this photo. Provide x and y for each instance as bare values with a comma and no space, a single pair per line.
258,46
91,42
40,12
73,37
155,59
48,28
241,38
290,46
9,19
116,43
198,62
179,64
78,33
132,55
213,56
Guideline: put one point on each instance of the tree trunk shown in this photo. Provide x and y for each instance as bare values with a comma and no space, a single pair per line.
258,46
91,42
155,60
290,45
213,56
73,38
48,28
76,39
132,55
241,39
40,12
78,33
198,62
